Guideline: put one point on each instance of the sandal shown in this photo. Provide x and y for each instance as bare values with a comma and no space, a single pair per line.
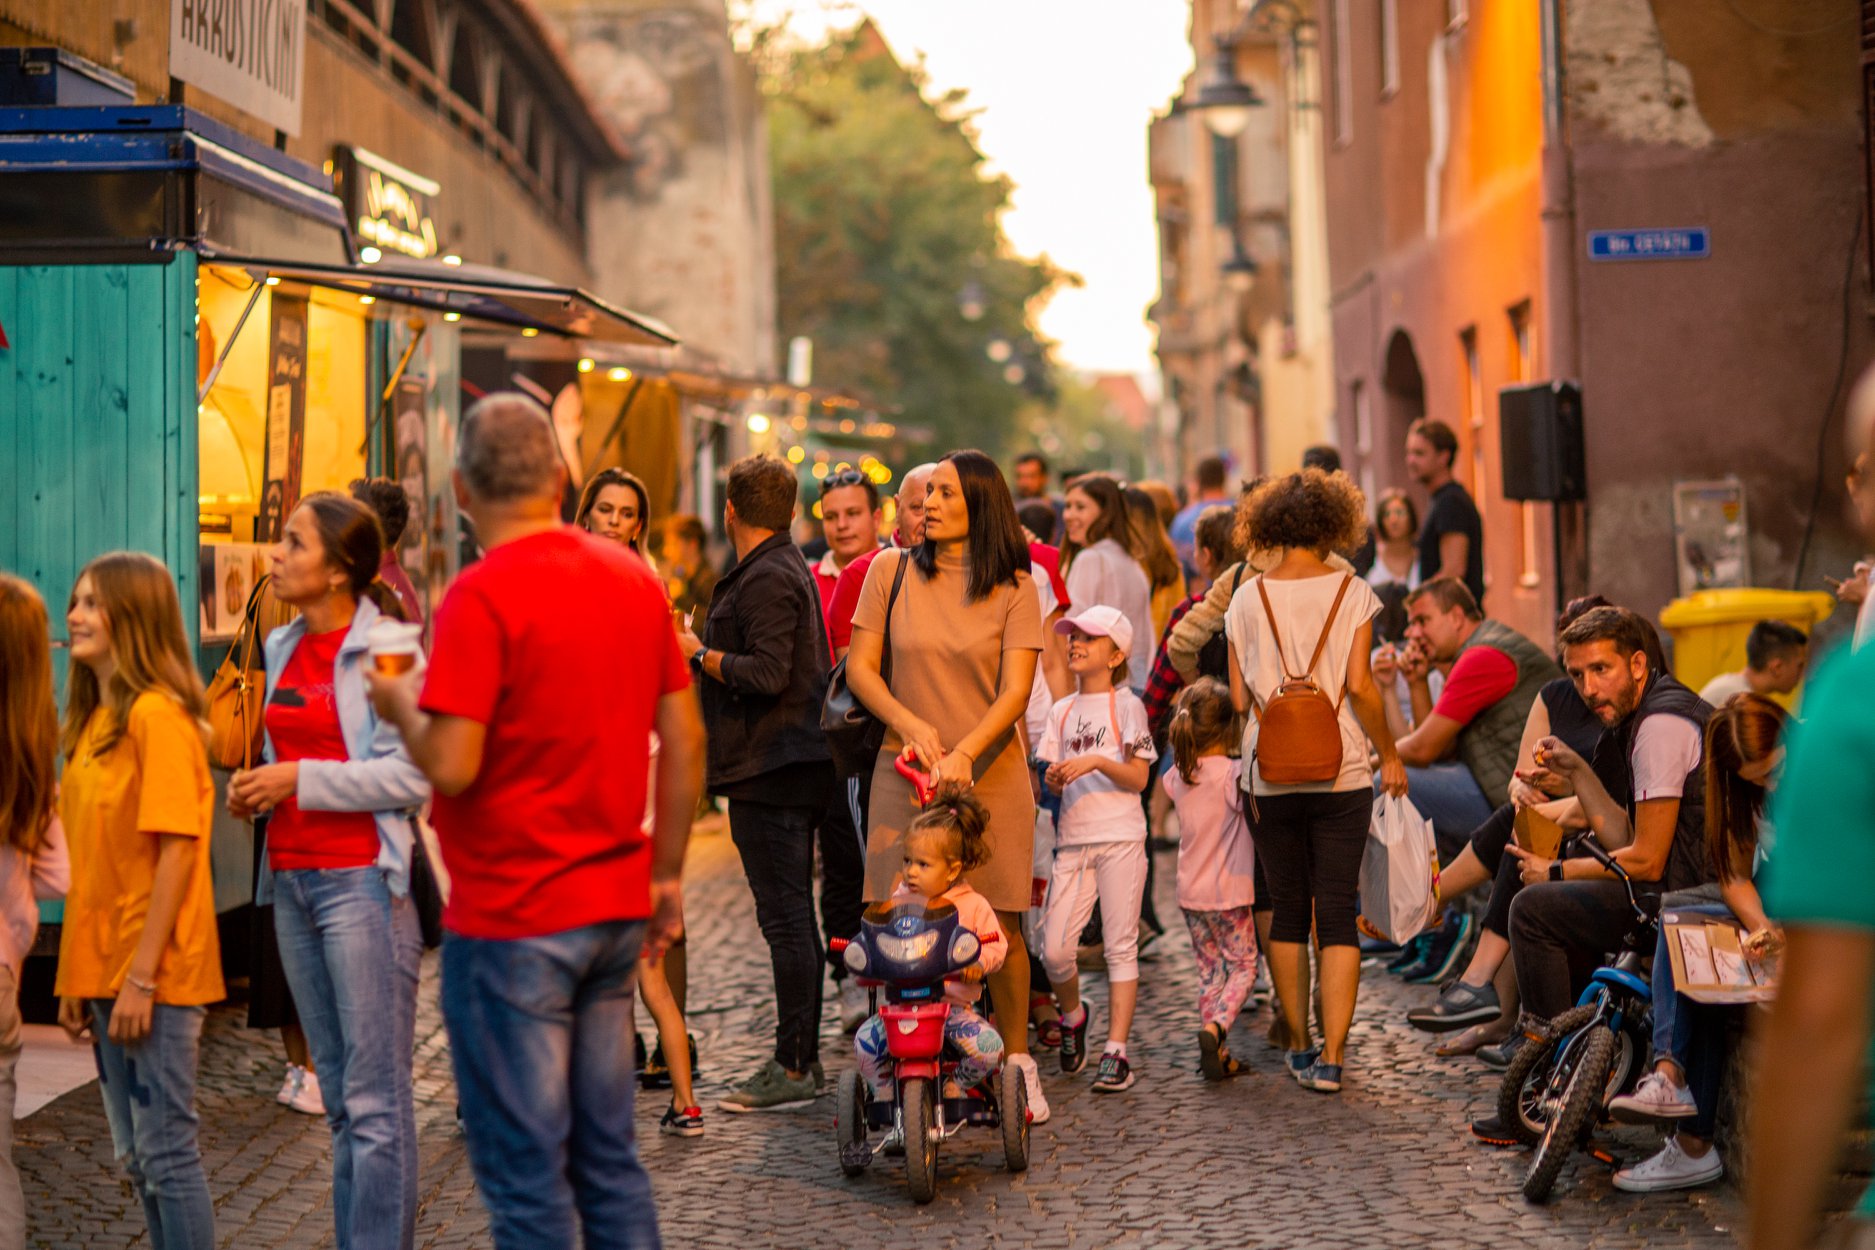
1465,1043
1214,1062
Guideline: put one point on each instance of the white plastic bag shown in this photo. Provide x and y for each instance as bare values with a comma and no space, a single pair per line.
1400,870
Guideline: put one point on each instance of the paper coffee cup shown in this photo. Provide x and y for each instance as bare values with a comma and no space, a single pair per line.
396,647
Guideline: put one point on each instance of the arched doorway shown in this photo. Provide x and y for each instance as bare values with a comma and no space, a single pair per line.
1403,400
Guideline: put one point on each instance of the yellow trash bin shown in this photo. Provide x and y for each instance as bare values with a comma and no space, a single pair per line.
1709,627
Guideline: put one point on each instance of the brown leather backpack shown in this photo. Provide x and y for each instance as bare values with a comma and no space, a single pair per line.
1299,729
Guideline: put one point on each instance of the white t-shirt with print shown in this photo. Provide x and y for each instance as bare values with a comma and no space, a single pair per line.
1301,608
1095,808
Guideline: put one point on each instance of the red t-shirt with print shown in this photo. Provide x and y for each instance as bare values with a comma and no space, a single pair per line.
561,644
303,722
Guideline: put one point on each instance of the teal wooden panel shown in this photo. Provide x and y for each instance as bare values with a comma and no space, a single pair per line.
12,467
182,430
43,400
146,408
100,410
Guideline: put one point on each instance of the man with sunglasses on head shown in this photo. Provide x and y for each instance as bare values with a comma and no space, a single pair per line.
849,521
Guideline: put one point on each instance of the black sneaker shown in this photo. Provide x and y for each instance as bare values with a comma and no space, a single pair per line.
1459,1006
1074,1042
1491,1131
1500,1055
1115,1074
685,1123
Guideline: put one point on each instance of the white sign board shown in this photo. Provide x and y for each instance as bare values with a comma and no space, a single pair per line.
251,53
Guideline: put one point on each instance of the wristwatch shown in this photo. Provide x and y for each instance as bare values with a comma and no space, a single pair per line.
1555,870
696,657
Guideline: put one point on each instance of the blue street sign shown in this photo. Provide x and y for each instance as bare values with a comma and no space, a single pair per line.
1683,243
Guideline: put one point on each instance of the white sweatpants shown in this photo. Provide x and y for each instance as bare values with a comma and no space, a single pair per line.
1114,873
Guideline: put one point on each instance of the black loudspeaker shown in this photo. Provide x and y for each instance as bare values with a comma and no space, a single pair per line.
1540,441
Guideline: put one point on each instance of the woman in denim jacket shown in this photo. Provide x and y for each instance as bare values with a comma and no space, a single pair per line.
339,790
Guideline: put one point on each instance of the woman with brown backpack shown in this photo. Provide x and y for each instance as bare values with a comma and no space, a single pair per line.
1300,635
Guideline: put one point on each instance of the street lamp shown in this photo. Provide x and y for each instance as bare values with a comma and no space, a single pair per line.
1240,271
1225,100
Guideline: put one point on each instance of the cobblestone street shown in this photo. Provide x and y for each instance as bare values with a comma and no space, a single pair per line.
1175,1162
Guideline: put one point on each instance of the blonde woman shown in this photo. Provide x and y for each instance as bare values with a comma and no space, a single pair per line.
139,959
33,865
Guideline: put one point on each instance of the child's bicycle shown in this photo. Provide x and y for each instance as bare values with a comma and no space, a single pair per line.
1555,1091
910,951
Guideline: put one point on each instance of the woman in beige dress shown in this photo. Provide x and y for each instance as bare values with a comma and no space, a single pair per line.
965,634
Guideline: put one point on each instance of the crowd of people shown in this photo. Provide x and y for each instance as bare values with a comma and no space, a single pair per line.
1076,675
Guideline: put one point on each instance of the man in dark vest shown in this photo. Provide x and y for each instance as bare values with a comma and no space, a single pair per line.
1460,750
1643,797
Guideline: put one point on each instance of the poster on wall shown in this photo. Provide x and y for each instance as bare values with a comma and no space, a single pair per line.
227,574
286,416
411,471
1710,537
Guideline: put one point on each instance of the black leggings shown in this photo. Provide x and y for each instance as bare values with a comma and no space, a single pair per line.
1310,846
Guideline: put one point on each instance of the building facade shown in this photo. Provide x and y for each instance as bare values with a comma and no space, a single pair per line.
1244,338
1487,166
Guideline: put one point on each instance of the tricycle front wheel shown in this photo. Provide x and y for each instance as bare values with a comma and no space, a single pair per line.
918,1103
850,1124
1012,1098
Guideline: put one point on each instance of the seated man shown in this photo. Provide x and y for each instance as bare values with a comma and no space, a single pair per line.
1461,750
1485,995
1775,655
1643,797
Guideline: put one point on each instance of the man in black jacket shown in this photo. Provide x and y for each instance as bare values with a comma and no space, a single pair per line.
1643,795
763,664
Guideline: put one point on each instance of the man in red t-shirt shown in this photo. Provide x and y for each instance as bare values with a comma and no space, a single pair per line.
554,663
1460,751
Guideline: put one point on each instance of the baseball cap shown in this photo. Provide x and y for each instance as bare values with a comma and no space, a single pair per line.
1100,622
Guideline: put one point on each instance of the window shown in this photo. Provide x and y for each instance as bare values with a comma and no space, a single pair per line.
1343,34
1389,48
1474,408
1523,369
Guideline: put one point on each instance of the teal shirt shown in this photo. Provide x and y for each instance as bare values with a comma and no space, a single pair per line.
1824,810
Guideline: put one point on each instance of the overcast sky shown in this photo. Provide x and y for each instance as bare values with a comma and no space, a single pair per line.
1065,89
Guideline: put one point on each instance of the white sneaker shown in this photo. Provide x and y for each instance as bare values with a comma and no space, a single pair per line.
306,1098
1655,1098
289,1088
855,1005
1260,987
1032,1077
1672,1168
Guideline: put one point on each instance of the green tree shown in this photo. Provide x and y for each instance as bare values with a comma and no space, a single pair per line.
890,250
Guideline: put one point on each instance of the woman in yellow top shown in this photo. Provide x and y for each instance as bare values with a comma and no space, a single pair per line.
138,958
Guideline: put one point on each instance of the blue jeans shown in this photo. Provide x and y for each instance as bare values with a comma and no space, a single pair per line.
537,1034
149,1098
1449,797
350,949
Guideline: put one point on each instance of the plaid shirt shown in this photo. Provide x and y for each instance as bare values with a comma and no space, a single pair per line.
1164,683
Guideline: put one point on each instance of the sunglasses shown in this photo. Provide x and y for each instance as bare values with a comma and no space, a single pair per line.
845,477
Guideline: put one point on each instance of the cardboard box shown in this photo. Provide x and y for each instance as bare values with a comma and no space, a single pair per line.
1711,965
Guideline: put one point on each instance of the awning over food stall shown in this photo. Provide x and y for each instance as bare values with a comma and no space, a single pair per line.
502,296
